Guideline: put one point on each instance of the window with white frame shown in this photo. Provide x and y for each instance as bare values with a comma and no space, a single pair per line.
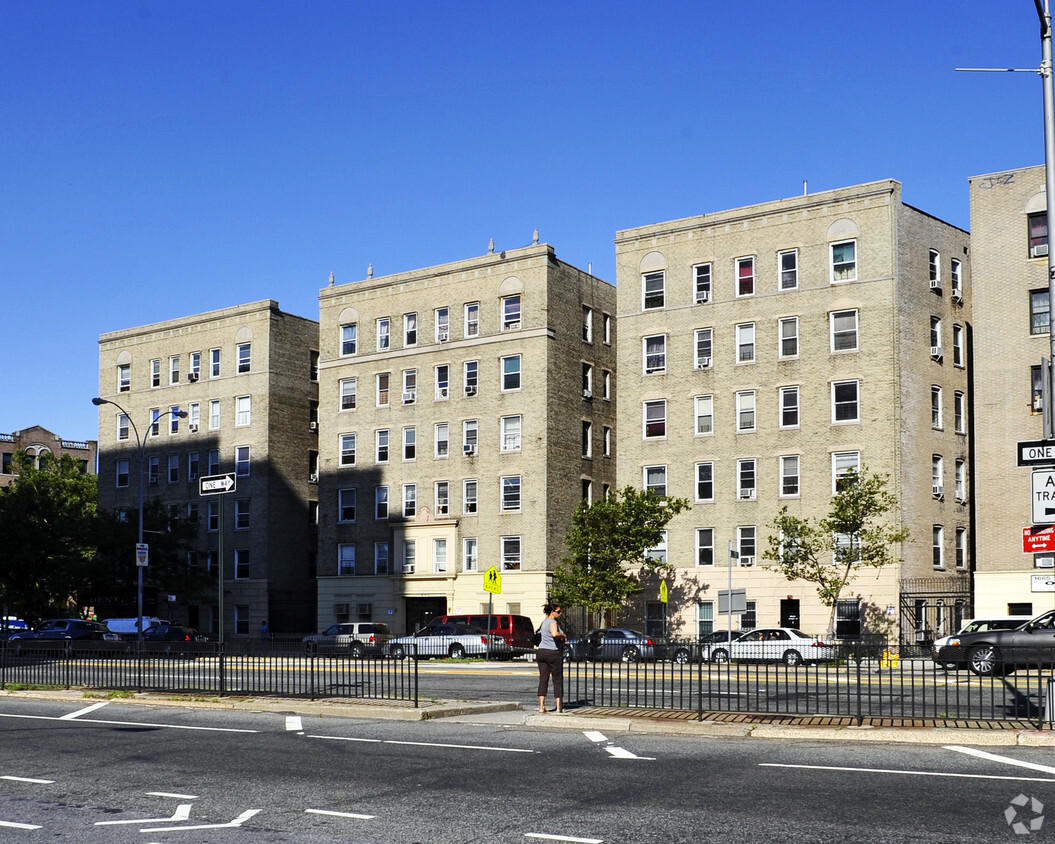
212,517
745,343
194,415
173,369
472,319
961,480
470,436
510,553
704,413
789,406
936,407
704,618
959,404
606,385
439,555
606,440
845,401
701,276
703,347
510,490
658,552
153,470
121,473
1038,234
346,505
380,502
587,381
606,327
704,546
245,357
174,461
961,548
957,346
934,268
442,318
937,472
843,331
123,428
654,418
383,379
384,334
956,279
155,421
1039,312
214,461
471,376
938,546
653,290
410,443
510,373
654,353
410,386
844,462
241,461
510,432
155,372
214,414
241,567
935,337
381,557
705,481
243,411
381,445
470,492
442,493
746,481
348,393
410,555
470,554
443,382
844,261
587,439
441,440
174,419
214,363
410,500
345,559
745,276
655,479
124,377
745,410
194,366
511,312
789,476
349,339
788,266
193,466
410,329
587,324
347,449
788,329
746,544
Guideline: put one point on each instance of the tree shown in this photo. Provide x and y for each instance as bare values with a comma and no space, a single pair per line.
607,541
851,535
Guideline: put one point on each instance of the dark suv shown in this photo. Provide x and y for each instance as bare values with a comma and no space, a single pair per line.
990,652
68,628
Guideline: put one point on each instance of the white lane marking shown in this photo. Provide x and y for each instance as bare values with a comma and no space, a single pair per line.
127,723
28,779
563,838
70,716
170,794
13,825
241,819
294,724
593,735
992,757
182,813
906,773
346,738
338,814
619,753
463,746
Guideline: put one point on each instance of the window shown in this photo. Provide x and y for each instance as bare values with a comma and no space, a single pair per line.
745,410
789,476
606,440
193,466
705,481
1038,235
704,618
789,407
656,479
410,500
510,373
155,420
937,473
655,353
174,369
701,274
410,555
510,553
410,329
214,363
961,480
704,411
348,390
934,269
587,324
470,553
469,496
844,462
510,313
745,544
938,546
384,334
243,411
410,441
1039,312
472,319
587,439
745,276
442,440
606,385
214,461
957,346
653,290
380,502
153,470
346,505
587,381
174,419
510,429
382,380
961,548
124,377
347,449
122,427
959,404
442,493
788,266
510,493
155,372
241,572
470,436
935,337
844,261
956,279
704,546
703,346
655,418
745,343
658,552
345,559
745,478
587,491
410,386
935,407
349,339
241,461
606,323
443,382
381,441
212,517
845,401
788,328
173,461
843,331
194,419
439,555
121,473
443,324
381,555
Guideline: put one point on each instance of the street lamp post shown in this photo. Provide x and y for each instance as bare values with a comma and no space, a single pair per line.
140,448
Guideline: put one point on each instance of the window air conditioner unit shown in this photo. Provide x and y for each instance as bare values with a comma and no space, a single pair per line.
937,489
441,393
408,397
935,284
587,394
747,561
513,325
1044,562
192,376
957,295
1038,404
443,336
935,351
313,426
468,450
747,493
340,609
470,390
193,428
313,478
1038,251
703,296
961,499
703,363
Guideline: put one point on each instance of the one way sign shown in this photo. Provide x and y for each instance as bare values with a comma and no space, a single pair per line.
1044,497
216,484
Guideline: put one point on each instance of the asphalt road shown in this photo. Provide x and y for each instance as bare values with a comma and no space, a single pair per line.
113,772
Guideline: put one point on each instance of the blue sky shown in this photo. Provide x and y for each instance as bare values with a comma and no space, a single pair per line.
159,159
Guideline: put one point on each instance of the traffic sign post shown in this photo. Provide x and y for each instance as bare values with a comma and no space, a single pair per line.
219,485
492,586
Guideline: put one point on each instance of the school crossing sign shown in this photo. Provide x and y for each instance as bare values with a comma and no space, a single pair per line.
493,581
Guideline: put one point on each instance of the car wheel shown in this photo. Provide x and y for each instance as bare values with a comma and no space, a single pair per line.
356,650
630,654
398,652
792,658
681,656
720,655
456,652
983,660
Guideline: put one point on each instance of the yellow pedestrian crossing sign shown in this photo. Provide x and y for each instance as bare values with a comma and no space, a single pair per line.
663,591
493,581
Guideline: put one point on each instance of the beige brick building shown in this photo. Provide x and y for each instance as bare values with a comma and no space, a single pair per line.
1010,259
40,444
466,410
765,350
247,378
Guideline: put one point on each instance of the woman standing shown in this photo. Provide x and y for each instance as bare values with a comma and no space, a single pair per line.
550,658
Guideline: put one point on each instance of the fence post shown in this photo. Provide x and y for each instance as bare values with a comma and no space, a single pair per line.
857,660
223,668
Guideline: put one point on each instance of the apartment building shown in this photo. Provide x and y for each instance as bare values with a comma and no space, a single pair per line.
465,411
41,444
1009,223
246,379
764,351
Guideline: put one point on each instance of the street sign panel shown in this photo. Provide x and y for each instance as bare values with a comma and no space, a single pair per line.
493,581
1038,541
216,484
1036,453
737,598
142,554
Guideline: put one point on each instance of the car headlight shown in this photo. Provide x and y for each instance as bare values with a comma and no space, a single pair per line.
954,641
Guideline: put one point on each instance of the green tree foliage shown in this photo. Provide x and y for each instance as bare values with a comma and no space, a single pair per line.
607,542
852,534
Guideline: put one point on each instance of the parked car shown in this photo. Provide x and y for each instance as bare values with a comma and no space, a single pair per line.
172,633
126,627
517,630
615,644
74,629
976,625
449,640
775,644
717,640
359,638
993,652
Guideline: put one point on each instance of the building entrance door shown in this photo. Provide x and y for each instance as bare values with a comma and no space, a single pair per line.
421,610
789,612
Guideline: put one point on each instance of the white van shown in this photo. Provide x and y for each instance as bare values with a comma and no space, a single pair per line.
126,627
978,625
